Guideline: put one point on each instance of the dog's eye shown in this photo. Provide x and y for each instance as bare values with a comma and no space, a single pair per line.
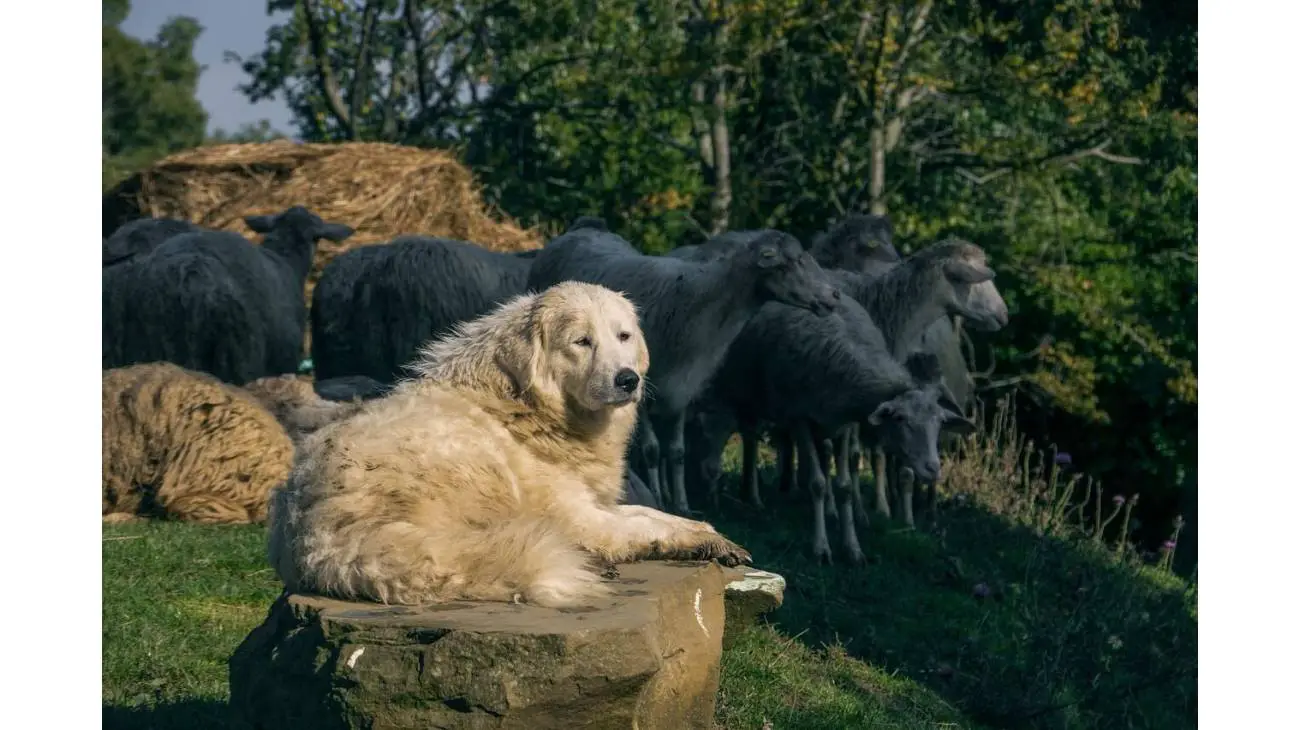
624,336
583,341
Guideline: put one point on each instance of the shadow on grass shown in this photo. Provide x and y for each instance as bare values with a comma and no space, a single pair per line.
1014,629
183,715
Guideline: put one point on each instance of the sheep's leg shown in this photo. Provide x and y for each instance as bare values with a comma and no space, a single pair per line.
784,460
843,488
855,473
880,468
906,481
710,471
677,461
649,445
816,487
929,497
803,469
825,457
749,467
895,484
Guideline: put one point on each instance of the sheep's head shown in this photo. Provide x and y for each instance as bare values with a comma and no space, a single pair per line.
789,274
299,220
959,273
910,423
859,242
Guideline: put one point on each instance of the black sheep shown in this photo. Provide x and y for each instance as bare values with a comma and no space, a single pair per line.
818,375
375,306
139,237
216,302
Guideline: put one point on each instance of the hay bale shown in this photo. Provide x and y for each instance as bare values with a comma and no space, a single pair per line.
381,190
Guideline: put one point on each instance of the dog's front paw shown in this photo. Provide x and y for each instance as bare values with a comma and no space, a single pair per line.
712,546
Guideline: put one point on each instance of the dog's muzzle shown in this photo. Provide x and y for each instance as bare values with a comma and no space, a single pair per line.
626,380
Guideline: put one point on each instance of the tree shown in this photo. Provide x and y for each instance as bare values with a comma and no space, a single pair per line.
149,104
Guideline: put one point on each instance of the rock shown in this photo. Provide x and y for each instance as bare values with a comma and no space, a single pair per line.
750,593
648,658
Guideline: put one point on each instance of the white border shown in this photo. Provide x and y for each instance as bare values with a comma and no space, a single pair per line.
51,306
1248,180
1248,175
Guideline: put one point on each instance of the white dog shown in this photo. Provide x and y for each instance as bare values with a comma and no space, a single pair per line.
494,475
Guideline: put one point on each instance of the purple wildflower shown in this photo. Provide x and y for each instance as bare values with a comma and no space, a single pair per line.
1063,458
1169,545
1118,499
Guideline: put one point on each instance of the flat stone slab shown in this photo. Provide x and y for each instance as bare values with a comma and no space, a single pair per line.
750,593
648,657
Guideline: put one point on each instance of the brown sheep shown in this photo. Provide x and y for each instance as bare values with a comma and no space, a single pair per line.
183,445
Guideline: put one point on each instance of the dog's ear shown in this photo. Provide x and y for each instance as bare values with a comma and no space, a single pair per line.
522,354
518,356
643,353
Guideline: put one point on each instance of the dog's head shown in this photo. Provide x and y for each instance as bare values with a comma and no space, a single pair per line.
584,348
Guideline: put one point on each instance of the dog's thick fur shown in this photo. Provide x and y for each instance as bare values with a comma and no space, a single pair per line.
494,475
183,445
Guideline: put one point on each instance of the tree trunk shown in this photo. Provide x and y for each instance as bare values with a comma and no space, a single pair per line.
720,217
876,191
703,135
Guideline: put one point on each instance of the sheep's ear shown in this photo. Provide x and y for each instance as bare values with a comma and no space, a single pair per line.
949,401
967,272
883,411
260,223
334,231
768,249
924,368
957,424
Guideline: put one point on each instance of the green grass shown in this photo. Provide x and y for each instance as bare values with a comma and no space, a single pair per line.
1069,635
177,600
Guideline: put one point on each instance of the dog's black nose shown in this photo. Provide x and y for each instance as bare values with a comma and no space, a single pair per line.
626,380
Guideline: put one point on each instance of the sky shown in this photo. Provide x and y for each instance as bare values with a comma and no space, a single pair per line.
229,25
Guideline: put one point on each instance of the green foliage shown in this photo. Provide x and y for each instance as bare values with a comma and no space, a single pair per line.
1059,136
149,109
259,131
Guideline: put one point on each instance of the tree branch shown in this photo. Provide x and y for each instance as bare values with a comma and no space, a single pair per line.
1060,157
324,71
361,67
915,32
413,26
